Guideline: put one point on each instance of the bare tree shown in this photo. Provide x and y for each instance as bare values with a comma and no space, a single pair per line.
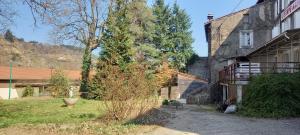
7,14
74,20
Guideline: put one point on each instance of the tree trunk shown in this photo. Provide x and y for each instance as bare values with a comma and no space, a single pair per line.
85,73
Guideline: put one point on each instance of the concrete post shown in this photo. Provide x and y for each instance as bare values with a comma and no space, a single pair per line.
36,92
239,93
224,93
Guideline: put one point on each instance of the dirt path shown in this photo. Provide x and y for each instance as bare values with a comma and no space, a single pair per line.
194,120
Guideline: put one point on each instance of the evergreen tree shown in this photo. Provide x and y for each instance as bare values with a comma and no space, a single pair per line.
142,30
117,40
9,36
161,38
173,36
181,36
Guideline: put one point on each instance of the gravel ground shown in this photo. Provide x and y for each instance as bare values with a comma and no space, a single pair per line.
195,120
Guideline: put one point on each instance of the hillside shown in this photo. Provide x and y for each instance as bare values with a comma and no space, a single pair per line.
32,54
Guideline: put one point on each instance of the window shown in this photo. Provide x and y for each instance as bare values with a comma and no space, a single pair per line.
246,39
276,9
297,19
286,25
285,3
276,30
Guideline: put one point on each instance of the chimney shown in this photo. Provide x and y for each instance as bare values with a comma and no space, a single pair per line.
210,17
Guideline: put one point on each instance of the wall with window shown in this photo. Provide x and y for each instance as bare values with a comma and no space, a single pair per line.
241,33
276,30
246,39
297,19
291,22
286,24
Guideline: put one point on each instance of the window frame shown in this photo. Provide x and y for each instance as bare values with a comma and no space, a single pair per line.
242,39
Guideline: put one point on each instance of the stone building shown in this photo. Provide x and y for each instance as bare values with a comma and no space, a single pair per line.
199,67
282,52
264,38
232,37
183,87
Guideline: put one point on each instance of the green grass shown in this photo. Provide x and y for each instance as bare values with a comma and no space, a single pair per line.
39,111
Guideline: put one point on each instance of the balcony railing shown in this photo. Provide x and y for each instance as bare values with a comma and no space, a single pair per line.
241,72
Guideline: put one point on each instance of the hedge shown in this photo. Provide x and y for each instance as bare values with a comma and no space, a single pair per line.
272,96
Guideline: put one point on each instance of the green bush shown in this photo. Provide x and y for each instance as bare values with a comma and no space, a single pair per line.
165,102
9,36
272,96
59,84
28,91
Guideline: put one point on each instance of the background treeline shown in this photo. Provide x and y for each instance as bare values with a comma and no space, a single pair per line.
150,34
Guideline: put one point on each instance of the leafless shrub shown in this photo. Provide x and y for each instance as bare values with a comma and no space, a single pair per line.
127,92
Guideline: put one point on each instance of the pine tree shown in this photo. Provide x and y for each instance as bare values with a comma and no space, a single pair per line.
142,30
161,38
9,36
117,40
173,36
181,37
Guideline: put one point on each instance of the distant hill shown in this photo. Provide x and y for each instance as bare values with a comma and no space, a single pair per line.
34,54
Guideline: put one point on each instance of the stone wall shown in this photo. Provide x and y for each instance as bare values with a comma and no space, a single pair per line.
186,86
199,68
200,96
223,35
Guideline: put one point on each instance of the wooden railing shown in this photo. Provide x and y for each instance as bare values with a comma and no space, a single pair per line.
242,71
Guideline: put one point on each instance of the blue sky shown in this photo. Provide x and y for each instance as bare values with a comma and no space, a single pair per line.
197,9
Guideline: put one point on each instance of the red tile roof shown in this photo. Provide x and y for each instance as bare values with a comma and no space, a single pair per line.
21,73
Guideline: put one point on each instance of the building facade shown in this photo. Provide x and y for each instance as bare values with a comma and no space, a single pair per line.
266,40
282,52
232,37
287,16
37,78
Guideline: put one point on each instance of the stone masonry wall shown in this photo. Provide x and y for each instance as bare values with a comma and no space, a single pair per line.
224,43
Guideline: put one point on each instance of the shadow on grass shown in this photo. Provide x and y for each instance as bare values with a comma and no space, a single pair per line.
154,116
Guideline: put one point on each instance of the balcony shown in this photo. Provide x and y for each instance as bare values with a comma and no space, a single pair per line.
240,73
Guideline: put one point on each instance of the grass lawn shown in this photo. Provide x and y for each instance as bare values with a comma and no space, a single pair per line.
35,116
49,110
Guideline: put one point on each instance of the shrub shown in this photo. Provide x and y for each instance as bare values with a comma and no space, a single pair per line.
28,91
9,36
273,96
59,84
165,102
127,92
